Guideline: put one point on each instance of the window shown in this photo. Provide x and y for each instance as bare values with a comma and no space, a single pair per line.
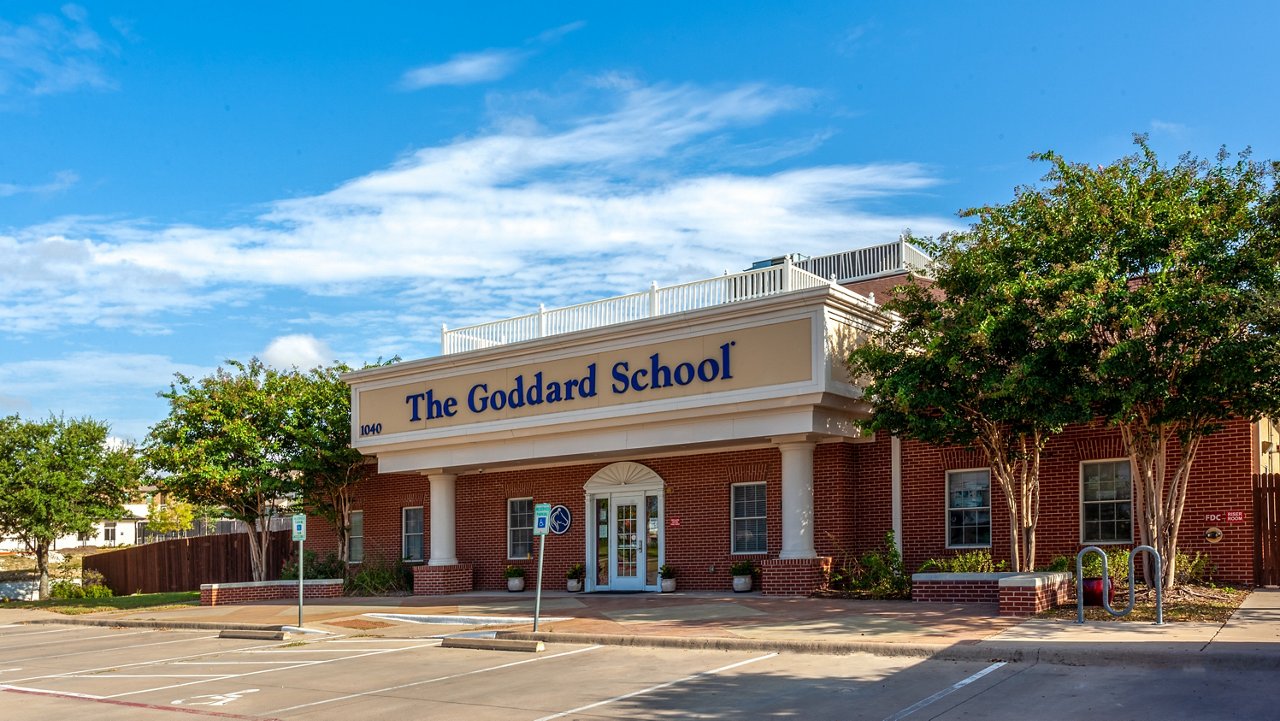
411,530
1106,492
519,528
355,539
749,533
109,531
968,508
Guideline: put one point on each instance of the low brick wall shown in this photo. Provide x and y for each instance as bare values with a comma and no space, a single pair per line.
219,594
957,587
793,576
1030,593
442,580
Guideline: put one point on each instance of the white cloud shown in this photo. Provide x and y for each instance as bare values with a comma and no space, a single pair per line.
52,54
482,67
600,204
463,69
297,351
1164,127
61,181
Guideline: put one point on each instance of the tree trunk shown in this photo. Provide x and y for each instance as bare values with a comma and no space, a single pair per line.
42,567
1159,506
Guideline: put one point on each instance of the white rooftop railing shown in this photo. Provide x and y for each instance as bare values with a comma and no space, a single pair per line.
738,287
868,262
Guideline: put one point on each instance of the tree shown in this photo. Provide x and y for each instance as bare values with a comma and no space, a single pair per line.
964,363
59,477
1171,274
225,443
320,447
172,516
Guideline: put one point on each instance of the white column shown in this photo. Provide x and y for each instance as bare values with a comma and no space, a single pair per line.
443,498
797,500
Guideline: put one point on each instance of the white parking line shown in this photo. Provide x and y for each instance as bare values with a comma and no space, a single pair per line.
140,663
107,650
31,633
659,687
302,664
432,680
4,649
944,692
145,675
45,691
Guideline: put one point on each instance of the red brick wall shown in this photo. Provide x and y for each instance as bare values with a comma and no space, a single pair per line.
220,594
956,591
1221,481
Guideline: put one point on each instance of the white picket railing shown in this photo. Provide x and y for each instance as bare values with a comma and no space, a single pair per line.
748,285
868,262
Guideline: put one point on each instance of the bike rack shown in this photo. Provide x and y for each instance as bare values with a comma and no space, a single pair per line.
1106,579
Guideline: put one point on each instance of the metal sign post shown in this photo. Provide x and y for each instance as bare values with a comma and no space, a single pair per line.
541,524
300,535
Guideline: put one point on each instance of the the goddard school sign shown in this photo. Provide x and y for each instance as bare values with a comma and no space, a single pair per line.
732,360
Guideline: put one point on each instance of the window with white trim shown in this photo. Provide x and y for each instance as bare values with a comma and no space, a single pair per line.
1106,502
519,528
749,518
109,531
968,508
355,539
411,533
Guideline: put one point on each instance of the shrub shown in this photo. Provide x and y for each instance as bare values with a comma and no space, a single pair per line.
330,567
743,568
1117,564
1197,569
514,572
874,574
577,572
65,589
667,571
379,577
1059,564
976,561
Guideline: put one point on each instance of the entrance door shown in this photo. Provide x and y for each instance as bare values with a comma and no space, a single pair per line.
627,544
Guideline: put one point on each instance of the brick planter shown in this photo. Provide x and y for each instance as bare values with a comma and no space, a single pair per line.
793,576
219,594
442,580
1017,594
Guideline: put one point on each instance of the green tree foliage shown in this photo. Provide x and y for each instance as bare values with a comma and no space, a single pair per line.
58,477
1171,275
319,437
172,516
226,443
965,363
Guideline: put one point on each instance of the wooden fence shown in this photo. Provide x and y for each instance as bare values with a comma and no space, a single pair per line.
1266,529
182,564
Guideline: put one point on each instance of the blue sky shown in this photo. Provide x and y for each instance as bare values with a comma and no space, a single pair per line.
184,183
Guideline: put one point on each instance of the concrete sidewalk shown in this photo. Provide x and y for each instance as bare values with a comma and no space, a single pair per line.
1251,638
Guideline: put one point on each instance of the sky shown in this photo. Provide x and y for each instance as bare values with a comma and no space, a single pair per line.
187,183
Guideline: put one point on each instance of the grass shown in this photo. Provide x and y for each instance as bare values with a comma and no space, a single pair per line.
77,606
1208,604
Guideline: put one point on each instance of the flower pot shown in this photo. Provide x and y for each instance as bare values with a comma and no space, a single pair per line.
515,584
668,585
573,585
1094,588
741,584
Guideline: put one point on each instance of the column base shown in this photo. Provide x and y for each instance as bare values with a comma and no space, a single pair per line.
794,576
442,580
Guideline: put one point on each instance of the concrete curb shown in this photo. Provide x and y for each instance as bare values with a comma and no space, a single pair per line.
146,623
1063,655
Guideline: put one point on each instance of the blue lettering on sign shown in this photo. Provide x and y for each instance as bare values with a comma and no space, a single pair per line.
538,390
561,519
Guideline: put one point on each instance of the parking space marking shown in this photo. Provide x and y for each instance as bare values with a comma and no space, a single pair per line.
139,663
659,687
46,692
300,664
108,650
944,692
29,633
435,680
90,638
132,704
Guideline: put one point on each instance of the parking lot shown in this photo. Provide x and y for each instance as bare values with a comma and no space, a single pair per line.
50,672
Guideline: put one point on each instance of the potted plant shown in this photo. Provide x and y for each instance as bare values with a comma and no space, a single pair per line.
667,573
574,576
742,572
1094,586
515,578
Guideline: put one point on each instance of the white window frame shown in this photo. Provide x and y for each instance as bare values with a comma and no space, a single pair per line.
511,528
1085,541
733,520
947,502
108,531
404,535
353,536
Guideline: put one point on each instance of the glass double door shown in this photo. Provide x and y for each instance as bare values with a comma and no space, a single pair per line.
628,541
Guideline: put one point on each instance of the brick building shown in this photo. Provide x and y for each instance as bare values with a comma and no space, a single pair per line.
708,423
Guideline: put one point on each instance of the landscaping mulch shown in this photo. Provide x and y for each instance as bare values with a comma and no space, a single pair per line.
1208,604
